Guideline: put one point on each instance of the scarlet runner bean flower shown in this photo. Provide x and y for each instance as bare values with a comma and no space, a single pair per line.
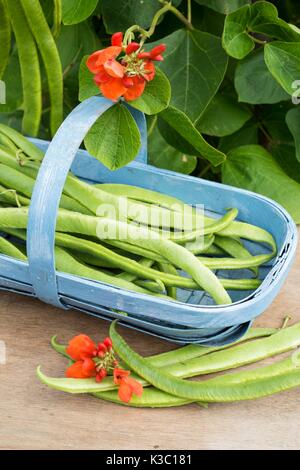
99,361
123,71
128,385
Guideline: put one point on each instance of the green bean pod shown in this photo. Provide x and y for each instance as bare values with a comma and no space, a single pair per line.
192,351
87,225
235,229
57,18
186,353
31,150
245,385
30,68
11,197
151,398
285,340
47,47
169,269
68,264
14,179
133,268
5,37
8,249
249,232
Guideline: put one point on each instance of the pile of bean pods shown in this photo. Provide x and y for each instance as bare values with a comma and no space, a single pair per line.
148,261
163,376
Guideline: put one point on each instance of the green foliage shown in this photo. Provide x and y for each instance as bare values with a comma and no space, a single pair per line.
261,17
255,84
220,104
76,11
224,116
283,61
224,6
114,139
156,96
177,121
195,64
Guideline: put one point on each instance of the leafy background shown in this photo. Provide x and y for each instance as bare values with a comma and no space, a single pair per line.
230,116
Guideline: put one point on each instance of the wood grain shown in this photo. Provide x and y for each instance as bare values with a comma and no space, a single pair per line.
35,417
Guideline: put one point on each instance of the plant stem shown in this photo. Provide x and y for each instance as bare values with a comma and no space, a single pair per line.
189,15
167,7
204,170
181,17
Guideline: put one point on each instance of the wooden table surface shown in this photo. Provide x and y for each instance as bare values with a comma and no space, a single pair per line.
33,416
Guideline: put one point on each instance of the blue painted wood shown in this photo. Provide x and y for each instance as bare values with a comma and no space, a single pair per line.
206,323
48,190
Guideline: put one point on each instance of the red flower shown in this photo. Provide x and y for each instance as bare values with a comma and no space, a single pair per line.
123,71
116,39
128,385
82,369
81,347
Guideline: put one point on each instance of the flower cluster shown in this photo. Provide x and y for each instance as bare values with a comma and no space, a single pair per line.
124,70
99,361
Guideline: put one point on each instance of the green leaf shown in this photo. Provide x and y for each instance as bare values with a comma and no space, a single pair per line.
223,117
119,15
178,121
260,17
156,96
195,64
76,11
163,155
283,61
87,86
13,85
248,135
236,41
264,175
224,6
293,123
254,83
115,138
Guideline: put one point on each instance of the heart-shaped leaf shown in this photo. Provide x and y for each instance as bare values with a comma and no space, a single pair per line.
115,138
195,64
76,11
183,126
260,17
255,84
283,61
263,175
224,6
293,122
87,86
156,96
224,116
